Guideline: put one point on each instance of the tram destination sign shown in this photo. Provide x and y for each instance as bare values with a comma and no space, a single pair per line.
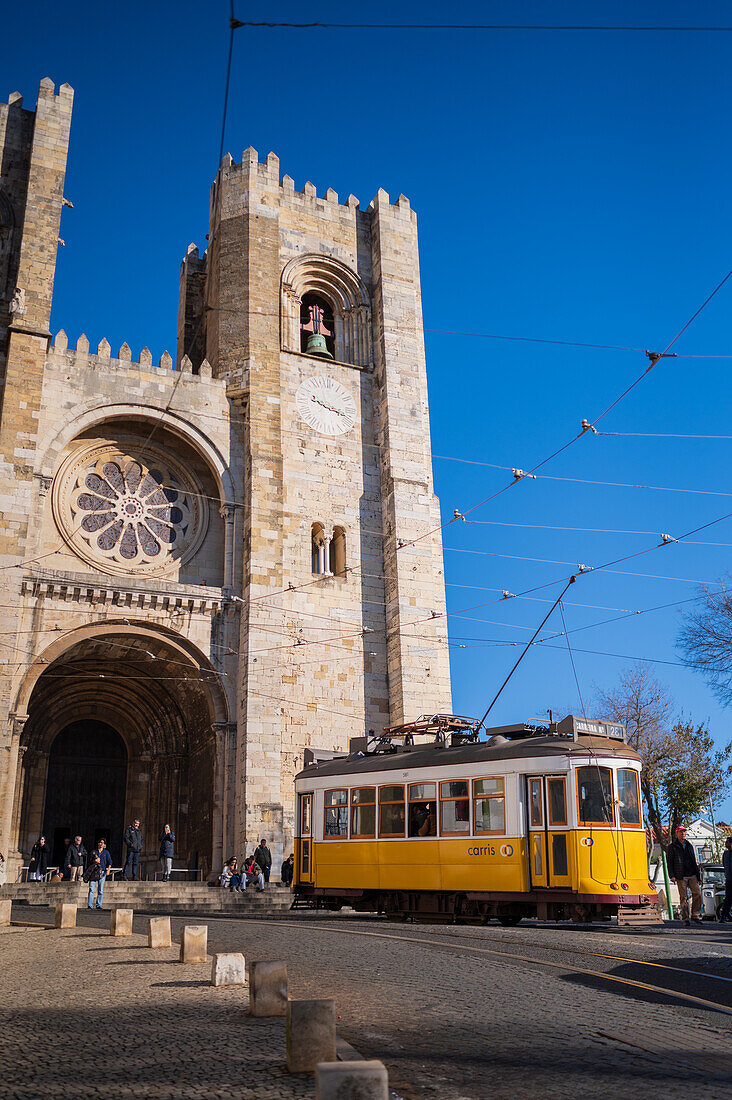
573,726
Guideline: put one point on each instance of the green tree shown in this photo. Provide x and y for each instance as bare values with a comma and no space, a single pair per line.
696,775
682,769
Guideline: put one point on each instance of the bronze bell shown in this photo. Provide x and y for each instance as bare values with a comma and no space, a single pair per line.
316,345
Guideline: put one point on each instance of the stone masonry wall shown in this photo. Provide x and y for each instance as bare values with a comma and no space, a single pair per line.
21,396
313,655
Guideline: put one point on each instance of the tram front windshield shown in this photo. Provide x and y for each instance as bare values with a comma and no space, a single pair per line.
595,787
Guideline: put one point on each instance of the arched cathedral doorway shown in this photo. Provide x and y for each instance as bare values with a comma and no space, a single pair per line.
85,788
125,721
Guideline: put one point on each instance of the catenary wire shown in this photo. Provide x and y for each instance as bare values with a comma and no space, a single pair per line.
624,28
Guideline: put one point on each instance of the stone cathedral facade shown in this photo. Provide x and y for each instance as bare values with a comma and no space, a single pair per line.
211,563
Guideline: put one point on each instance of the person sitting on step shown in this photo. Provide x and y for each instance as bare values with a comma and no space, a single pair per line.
253,873
230,879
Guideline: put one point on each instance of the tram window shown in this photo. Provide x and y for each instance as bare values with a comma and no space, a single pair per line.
455,806
391,811
560,864
595,791
557,802
336,814
305,816
536,803
420,792
363,812
628,796
489,806
422,804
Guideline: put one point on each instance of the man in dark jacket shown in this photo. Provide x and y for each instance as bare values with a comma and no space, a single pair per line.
286,871
100,862
133,840
727,864
38,864
76,859
263,857
167,851
684,871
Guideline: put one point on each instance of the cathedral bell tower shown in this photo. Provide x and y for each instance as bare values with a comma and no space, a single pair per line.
310,309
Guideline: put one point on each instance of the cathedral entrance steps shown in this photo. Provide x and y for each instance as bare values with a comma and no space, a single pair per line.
160,897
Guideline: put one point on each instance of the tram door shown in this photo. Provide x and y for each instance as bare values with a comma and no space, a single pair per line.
305,843
548,830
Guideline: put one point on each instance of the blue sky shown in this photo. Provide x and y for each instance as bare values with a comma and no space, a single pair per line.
570,186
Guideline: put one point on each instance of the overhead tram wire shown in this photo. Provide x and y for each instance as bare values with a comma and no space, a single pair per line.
667,435
579,480
580,530
232,28
520,474
571,658
234,24
623,28
495,698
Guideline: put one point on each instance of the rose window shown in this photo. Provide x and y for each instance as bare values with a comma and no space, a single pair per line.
134,511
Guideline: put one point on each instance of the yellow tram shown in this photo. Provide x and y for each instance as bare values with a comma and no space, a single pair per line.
531,822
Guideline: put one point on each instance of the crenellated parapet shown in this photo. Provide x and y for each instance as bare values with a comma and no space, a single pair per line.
267,173
102,359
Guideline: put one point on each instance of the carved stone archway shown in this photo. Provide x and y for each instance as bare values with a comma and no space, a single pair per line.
348,298
166,703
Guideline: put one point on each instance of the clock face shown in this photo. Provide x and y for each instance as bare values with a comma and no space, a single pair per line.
326,406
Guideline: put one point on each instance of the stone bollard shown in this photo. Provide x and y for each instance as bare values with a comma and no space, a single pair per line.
351,1081
311,1034
120,922
65,915
6,906
268,989
193,943
228,970
158,932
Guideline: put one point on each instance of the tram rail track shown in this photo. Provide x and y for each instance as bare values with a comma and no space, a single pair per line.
459,944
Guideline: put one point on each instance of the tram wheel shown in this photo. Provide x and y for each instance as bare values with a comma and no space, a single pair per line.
509,922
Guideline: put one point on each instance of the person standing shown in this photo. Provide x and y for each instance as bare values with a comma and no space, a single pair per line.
286,872
167,851
75,859
38,864
684,871
263,857
64,865
133,840
96,873
727,864
2,869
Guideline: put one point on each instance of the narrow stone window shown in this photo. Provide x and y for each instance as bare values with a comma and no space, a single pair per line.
338,552
317,329
7,225
320,548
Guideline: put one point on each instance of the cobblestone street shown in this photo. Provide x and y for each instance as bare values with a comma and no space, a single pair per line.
85,1015
448,1015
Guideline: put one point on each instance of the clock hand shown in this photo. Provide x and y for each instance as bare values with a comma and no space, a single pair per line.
325,405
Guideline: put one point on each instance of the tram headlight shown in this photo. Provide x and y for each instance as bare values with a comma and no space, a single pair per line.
614,886
623,885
